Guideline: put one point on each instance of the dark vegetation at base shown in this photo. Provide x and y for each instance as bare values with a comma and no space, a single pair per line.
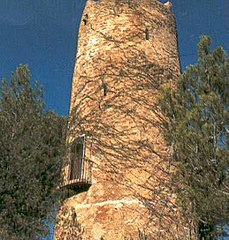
32,144
74,189
196,129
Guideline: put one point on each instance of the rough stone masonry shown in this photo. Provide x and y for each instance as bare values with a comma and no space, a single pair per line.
126,51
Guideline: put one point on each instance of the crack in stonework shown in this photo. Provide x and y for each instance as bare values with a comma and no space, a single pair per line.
118,203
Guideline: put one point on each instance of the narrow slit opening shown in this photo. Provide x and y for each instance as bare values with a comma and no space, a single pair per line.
147,33
85,19
104,89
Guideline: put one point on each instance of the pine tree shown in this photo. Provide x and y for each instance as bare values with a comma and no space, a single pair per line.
31,148
196,126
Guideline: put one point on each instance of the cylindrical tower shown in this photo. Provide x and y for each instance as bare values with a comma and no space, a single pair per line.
126,51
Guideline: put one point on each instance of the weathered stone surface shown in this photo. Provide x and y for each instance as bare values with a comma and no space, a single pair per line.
131,48
107,211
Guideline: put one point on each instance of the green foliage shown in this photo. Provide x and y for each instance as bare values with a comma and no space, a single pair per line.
31,148
196,126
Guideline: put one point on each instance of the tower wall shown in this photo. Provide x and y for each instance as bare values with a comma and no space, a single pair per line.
127,50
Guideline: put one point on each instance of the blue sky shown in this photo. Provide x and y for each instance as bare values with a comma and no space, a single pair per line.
43,34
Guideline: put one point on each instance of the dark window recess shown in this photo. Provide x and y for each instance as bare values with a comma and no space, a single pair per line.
77,156
147,33
104,89
85,19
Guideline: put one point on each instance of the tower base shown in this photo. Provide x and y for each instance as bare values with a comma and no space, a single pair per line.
109,211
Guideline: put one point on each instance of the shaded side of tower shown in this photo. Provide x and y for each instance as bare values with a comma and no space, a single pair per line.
117,155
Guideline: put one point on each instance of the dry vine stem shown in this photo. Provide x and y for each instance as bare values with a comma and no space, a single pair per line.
116,85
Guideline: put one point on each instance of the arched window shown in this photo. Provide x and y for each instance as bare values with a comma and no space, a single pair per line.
77,151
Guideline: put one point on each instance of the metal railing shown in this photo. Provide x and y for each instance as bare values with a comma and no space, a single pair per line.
77,173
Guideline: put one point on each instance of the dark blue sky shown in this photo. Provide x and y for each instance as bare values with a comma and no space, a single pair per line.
43,34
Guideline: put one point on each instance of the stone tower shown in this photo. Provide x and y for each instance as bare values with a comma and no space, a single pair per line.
116,176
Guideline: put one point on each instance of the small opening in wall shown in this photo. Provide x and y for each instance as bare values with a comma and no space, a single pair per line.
104,86
85,19
147,33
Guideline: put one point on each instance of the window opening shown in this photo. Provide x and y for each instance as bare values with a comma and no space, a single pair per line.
85,19
147,33
76,158
104,89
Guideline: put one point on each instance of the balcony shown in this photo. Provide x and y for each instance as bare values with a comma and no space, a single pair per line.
77,175
77,171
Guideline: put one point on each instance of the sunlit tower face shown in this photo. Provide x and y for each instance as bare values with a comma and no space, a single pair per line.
126,51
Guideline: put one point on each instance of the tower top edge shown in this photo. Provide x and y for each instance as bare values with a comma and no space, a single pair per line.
150,4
